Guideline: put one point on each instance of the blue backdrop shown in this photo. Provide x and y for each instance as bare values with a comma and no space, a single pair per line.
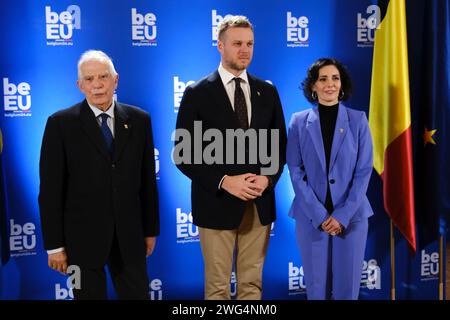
159,47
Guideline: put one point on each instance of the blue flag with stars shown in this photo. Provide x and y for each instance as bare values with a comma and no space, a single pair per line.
433,147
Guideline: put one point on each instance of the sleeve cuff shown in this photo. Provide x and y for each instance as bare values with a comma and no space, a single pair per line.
55,250
220,183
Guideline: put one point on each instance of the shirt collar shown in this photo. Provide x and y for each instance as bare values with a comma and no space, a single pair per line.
109,112
227,76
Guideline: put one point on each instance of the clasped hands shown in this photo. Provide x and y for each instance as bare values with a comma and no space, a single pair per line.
246,186
331,226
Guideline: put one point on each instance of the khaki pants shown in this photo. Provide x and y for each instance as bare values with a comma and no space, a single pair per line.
251,240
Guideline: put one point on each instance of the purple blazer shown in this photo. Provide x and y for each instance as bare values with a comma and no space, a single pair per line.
351,164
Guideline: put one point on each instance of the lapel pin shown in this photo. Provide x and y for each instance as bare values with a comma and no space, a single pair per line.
125,125
258,93
341,130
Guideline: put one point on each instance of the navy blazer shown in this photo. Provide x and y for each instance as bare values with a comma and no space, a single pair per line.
86,195
351,162
208,102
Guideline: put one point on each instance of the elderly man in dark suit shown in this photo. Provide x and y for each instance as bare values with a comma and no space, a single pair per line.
233,200
98,198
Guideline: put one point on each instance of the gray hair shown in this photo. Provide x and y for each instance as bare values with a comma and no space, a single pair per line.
96,55
231,21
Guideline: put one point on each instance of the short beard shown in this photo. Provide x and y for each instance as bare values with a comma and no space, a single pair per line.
237,67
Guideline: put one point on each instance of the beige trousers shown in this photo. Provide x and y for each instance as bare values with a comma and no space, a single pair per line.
251,240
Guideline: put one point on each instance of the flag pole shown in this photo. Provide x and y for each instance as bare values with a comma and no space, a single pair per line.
392,262
441,267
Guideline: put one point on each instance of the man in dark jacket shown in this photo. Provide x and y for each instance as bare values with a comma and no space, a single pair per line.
233,200
98,198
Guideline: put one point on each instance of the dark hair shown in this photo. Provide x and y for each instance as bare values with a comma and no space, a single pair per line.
313,75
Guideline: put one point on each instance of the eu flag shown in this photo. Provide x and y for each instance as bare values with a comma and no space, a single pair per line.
4,247
433,141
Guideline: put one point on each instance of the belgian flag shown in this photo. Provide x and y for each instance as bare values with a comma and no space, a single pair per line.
390,118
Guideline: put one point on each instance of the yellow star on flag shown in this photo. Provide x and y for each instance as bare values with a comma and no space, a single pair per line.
428,136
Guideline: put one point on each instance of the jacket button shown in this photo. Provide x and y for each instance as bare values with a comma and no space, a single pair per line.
332,181
302,168
305,178
113,166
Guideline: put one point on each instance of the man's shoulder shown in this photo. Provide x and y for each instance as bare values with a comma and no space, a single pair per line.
199,88
260,82
203,82
132,113
69,112
132,110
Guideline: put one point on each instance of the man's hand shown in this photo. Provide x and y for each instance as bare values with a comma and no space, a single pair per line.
332,226
150,243
58,261
261,182
241,187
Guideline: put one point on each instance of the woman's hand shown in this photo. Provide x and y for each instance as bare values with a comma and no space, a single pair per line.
332,226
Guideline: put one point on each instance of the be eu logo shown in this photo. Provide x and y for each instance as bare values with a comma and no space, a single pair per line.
16,99
60,26
22,239
143,28
297,31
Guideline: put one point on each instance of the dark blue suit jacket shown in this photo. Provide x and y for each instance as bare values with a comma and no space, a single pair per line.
86,195
208,102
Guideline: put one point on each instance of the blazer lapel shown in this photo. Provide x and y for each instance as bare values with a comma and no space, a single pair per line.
221,98
255,98
92,129
313,127
340,132
122,129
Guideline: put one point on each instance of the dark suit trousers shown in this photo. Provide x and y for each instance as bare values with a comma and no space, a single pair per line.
130,280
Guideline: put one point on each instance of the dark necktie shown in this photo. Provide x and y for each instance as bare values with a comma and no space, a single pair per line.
106,132
240,107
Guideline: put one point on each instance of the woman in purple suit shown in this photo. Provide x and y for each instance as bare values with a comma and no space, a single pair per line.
329,156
